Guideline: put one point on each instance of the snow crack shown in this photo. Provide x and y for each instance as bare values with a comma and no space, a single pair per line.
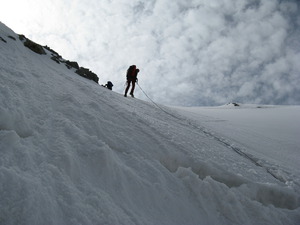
199,171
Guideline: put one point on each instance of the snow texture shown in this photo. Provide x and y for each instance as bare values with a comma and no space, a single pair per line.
73,152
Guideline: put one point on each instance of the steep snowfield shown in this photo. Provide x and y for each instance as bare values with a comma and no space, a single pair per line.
73,152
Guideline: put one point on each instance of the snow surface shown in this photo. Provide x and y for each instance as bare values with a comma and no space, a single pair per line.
73,152
267,135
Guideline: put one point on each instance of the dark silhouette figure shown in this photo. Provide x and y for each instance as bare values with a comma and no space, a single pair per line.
131,79
109,85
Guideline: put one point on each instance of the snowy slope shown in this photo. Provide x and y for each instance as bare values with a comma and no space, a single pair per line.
268,135
73,152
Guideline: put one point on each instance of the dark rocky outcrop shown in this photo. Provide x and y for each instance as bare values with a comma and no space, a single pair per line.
51,50
11,37
54,58
22,37
32,45
71,64
233,103
3,40
87,74
84,72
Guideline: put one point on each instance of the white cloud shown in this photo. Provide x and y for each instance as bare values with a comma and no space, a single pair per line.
189,52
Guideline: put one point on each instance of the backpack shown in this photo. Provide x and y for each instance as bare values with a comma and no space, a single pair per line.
130,72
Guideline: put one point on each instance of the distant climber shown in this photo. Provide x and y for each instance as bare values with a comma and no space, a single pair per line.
131,76
109,85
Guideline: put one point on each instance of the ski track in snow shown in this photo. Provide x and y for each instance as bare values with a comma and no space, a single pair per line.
74,152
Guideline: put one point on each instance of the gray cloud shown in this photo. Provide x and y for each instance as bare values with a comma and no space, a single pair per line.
189,52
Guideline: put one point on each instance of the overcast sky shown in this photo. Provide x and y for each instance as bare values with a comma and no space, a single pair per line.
190,52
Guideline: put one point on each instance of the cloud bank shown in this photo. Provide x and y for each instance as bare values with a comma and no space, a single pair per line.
192,53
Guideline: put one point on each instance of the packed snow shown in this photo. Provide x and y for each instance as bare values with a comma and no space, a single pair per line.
74,152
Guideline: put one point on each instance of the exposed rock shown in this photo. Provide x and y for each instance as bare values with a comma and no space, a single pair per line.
34,47
234,104
54,58
72,64
11,37
84,72
3,40
22,37
51,50
87,74
57,58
